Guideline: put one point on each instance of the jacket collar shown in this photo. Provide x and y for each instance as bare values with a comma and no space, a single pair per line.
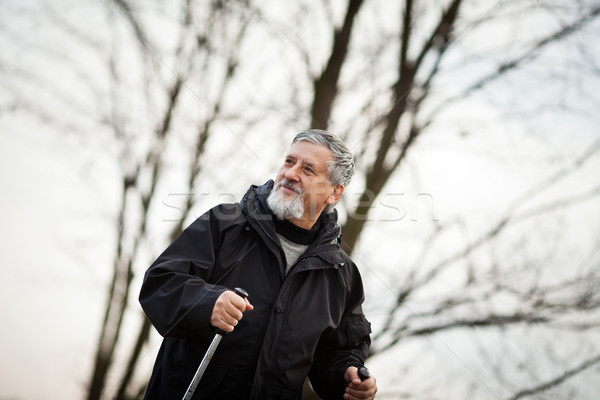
259,214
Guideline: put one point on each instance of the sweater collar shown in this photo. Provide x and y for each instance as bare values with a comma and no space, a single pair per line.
295,233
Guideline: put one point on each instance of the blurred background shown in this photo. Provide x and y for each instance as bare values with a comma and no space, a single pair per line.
474,216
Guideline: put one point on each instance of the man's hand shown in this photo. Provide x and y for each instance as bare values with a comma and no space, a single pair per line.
357,389
228,310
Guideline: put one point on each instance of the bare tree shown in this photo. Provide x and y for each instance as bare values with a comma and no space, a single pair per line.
197,49
394,133
204,61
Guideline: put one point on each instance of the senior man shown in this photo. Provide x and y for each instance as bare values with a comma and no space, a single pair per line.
303,318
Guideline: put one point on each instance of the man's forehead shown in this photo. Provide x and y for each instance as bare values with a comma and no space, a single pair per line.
310,153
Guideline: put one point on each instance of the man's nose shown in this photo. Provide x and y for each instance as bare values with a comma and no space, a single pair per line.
292,173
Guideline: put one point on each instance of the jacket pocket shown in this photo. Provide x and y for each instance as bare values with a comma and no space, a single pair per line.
356,330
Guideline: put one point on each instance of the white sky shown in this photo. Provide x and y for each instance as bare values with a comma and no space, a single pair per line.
52,278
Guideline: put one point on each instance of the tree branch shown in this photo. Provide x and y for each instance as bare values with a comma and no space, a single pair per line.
326,86
558,379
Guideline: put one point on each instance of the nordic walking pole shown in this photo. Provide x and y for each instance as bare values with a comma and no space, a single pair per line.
209,354
364,373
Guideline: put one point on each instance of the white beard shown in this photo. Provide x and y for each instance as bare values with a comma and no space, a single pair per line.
283,208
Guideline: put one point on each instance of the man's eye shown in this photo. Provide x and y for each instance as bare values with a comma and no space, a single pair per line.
308,170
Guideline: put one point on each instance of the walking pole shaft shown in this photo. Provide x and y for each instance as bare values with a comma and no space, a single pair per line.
209,354
202,367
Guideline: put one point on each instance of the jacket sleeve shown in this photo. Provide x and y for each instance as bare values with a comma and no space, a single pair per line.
175,294
346,346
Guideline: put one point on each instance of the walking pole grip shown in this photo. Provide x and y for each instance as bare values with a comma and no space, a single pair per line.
243,294
364,373
240,292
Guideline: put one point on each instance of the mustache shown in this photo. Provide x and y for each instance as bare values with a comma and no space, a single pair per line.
286,183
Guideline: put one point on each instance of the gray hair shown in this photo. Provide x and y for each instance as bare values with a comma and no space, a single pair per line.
341,168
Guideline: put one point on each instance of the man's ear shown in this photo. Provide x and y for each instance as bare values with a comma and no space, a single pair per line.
336,193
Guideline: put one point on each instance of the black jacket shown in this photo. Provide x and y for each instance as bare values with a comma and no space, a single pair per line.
309,322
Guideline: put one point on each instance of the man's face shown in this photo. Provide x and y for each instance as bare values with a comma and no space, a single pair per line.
304,174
